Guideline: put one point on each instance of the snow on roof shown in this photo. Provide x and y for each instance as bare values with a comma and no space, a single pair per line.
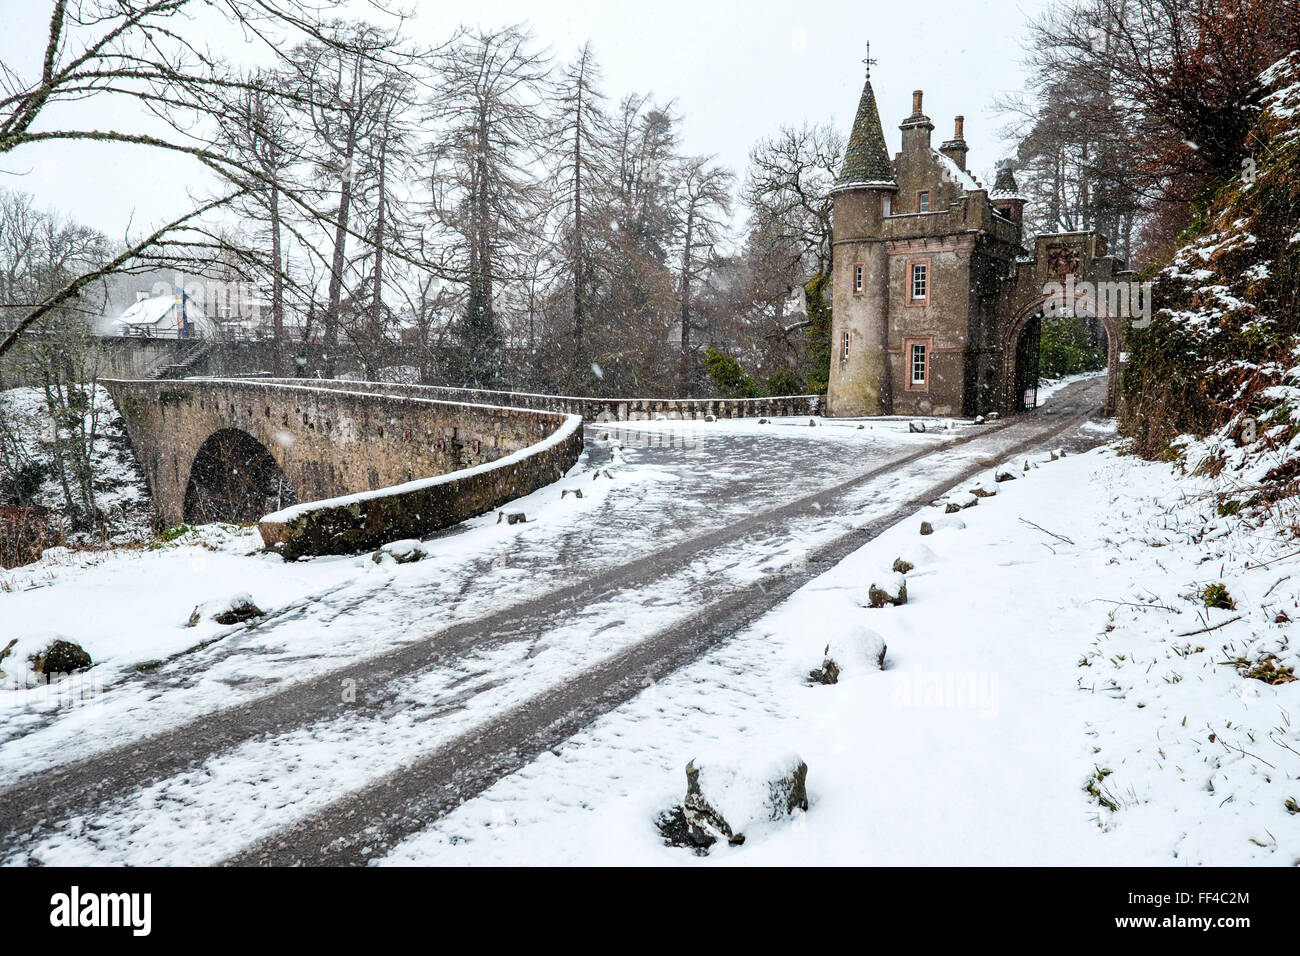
148,311
961,177
160,312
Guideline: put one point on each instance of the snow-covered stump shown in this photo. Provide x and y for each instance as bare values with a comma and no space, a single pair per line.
726,796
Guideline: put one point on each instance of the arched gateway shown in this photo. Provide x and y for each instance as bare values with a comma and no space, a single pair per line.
1012,373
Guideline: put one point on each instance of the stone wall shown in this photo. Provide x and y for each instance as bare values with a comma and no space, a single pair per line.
360,522
339,441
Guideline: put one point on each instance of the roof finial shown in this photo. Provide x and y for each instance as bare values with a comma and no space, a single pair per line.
869,61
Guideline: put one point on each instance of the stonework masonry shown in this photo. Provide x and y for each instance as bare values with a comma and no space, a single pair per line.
338,441
934,285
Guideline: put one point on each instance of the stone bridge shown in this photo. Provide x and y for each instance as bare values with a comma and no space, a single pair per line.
341,468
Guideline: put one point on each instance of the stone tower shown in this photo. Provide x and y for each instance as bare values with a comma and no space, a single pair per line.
935,291
859,378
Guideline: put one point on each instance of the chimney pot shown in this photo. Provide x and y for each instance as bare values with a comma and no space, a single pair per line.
916,100
960,128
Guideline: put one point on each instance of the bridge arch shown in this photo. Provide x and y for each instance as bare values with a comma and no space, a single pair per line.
1036,310
234,477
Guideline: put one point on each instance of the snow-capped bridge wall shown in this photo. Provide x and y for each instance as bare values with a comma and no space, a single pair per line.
369,464
601,409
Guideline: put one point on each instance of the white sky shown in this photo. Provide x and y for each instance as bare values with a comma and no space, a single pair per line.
737,72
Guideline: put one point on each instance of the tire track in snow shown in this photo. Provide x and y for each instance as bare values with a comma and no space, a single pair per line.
78,788
362,826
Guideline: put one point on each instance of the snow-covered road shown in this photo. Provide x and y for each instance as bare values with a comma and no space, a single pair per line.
369,681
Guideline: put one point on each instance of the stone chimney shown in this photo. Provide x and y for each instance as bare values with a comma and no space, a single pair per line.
917,127
955,148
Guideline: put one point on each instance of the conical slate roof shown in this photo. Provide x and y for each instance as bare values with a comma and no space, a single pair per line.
866,160
1004,187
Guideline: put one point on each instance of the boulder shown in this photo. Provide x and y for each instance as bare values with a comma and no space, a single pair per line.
710,418
576,492
891,590
915,426
516,517
901,566
725,796
763,421
812,422
994,416
980,492
959,502
236,610
979,419
945,523
60,657
1003,474
406,551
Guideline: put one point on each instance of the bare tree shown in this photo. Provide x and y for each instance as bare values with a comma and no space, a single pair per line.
703,204
582,136
788,193
261,127
482,170
148,55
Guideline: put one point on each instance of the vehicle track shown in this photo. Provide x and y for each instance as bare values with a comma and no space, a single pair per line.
405,802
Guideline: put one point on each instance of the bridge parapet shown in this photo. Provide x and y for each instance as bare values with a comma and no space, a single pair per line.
599,409
406,464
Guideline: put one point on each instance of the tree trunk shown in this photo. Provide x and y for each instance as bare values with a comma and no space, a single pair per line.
277,289
685,370
336,265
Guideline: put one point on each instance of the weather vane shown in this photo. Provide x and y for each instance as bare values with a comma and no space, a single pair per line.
868,61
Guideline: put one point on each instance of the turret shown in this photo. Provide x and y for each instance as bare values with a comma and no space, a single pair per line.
1006,197
859,372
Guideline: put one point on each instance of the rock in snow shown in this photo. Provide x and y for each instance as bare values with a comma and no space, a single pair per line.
828,673
727,795
235,610
890,590
60,657
403,552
